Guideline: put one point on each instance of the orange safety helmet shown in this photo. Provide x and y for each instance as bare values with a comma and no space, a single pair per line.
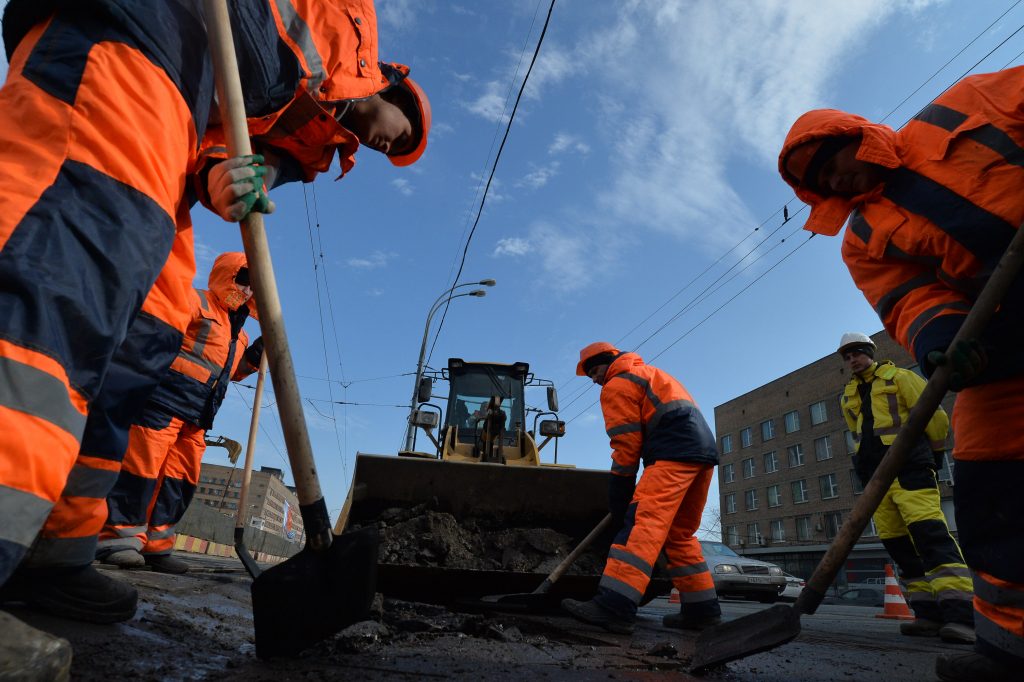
419,97
592,350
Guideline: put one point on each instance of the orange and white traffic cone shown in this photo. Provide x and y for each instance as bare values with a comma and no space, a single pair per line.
673,597
895,605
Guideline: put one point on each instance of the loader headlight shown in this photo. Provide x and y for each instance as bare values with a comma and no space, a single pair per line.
726,568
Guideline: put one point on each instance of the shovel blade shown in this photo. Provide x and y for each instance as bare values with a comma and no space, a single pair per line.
745,636
314,594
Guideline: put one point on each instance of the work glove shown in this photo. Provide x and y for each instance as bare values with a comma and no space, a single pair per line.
966,360
254,353
236,187
620,494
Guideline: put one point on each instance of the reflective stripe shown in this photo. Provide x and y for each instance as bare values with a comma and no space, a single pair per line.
860,227
23,515
643,383
631,559
617,586
124,531
298,31
941,116
111,545
701,595
62,552
85,481
665,408
625,428
999,596
168,532
896,294
950,571
926,317
954,595
625,470
996,636
917,596
32,391
999,142
886,430
894,406
692,569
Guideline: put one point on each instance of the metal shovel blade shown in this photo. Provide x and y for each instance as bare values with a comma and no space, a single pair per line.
745,636
314,594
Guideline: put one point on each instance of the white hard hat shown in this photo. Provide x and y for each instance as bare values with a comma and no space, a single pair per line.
854,339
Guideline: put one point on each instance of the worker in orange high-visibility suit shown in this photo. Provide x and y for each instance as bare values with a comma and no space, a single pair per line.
89,257
932,208
650,416
159,473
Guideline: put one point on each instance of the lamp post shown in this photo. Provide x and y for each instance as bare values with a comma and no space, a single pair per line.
410,432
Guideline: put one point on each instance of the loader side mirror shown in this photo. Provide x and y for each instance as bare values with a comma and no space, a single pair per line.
551,428
425,419
425,389
552,399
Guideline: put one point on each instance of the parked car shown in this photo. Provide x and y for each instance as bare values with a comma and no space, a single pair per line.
739,576
861,596
793,587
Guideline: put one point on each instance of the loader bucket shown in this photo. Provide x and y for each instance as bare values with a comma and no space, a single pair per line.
537,502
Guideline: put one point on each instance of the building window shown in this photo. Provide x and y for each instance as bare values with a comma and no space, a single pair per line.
726,444
823,448
799,491
833,520
729,502
753,534
792,421
855,483
778,531
803,528
870,531
771,462
748,468
746,438
796,455
732,535
774,496
728,473
829,487
751,499
819,413
851,443
768,429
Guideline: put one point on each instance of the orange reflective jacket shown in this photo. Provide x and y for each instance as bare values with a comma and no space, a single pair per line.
649,415
922,245
212,353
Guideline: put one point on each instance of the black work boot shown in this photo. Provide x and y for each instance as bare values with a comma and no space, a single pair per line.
165,563
28,654
973,667
595,614
680,621
80,593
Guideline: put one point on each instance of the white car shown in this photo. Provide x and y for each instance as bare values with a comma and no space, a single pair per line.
739,576
793,587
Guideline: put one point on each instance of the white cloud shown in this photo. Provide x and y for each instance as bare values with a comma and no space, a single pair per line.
398,14
539,176
377,259
512,246
553,65
490,105
403,186
565,142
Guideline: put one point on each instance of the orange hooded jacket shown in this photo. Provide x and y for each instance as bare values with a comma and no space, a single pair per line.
922,245
649,415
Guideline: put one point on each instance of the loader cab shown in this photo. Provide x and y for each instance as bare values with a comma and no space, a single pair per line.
472,386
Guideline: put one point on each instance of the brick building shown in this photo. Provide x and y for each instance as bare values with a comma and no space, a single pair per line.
270,500
786,480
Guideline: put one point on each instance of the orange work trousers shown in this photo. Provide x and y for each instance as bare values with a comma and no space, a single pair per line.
664,514
98,132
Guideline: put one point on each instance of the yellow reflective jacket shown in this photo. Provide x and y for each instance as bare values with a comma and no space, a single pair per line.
894,392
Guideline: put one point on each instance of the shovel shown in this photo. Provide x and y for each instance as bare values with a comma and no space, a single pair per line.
539,598
780,624
250,449
329,584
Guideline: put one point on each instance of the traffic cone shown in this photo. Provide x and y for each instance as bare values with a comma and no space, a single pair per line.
673,597
895,605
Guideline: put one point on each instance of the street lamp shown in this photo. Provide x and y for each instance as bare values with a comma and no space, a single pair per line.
410,433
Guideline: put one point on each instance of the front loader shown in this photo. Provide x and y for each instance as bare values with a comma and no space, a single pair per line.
481,513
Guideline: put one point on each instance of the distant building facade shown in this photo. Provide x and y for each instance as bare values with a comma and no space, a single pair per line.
786,480
273,506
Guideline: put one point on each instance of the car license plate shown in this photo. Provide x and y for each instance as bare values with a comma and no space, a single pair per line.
758,579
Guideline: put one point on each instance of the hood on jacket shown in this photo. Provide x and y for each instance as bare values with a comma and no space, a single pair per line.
623,363
878,146
221,283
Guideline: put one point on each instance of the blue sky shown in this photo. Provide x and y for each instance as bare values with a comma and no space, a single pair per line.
643,150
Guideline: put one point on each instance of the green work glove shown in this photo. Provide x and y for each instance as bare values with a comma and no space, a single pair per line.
236,187
966,361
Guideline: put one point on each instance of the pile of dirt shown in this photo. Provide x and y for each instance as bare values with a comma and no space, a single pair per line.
422,536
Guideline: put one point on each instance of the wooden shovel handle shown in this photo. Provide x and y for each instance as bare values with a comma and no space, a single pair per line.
572,556
250,448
